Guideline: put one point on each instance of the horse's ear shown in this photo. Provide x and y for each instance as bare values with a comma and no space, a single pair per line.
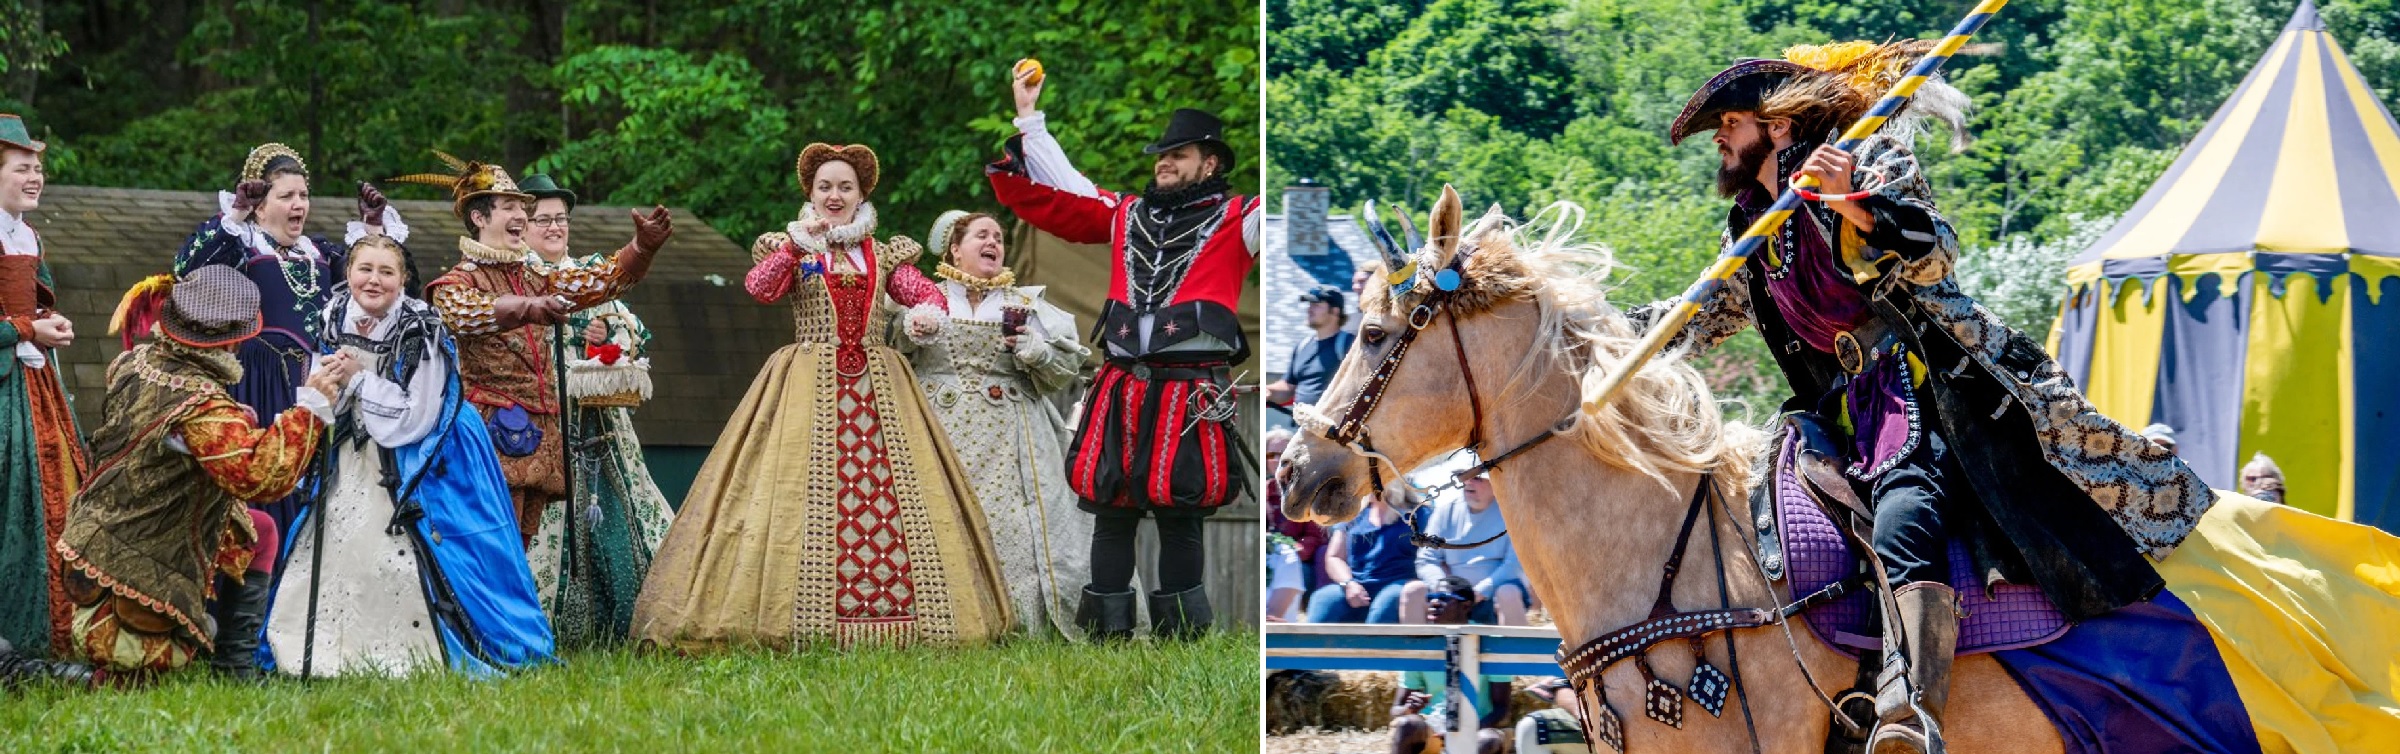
1443,227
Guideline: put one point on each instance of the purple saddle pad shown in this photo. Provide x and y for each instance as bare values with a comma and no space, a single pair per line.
2012,616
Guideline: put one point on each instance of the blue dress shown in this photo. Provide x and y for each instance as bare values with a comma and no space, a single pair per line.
428,553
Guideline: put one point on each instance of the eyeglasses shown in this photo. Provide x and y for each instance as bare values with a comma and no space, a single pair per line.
549,221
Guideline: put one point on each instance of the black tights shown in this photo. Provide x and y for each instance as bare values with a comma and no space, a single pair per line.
1181,559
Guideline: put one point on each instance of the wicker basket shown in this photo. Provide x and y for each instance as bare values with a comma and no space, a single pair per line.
625,384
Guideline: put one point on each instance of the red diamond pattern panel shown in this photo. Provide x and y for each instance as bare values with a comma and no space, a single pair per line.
873,570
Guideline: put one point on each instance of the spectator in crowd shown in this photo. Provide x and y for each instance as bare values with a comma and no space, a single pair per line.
1492,567
1554,730
1425,694
1292,546
1310,536
1314,360
2262,479
2160,435
1367,564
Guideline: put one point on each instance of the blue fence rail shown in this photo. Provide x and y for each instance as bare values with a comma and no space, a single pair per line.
1458,652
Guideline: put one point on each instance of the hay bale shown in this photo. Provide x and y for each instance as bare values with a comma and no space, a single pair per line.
1356,700
1348,699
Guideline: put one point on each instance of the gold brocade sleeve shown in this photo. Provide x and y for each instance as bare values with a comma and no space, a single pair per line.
588,286
253,463
465,308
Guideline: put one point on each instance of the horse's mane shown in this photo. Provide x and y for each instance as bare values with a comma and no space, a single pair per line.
1665,420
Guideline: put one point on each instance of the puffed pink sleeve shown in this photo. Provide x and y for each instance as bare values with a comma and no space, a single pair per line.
771,277
910,287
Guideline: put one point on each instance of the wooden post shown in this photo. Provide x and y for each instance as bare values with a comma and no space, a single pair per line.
1466,669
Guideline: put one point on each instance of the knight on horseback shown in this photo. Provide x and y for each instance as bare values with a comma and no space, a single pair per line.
1935,419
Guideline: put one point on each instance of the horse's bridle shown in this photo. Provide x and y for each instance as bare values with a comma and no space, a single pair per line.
1584,664
1350,430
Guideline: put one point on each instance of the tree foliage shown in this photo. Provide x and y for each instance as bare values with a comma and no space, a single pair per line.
699,105
2080,105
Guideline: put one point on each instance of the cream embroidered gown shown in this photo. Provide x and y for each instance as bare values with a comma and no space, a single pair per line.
1004,410
832,508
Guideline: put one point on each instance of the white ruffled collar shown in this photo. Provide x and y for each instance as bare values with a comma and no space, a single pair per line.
474,251
17,237
258,239
862,225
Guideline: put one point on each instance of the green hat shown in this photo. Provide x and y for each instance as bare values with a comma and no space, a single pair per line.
542,187
13,133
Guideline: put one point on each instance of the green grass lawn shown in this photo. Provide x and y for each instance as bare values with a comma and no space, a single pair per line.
1025,696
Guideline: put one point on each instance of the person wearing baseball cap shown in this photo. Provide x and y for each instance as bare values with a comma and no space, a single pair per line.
182,456
1314,360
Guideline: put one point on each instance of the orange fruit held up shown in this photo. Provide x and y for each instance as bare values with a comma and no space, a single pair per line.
1028,69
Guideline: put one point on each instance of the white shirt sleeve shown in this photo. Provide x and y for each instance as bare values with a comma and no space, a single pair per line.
1250,230
31,354
1046,162
392,413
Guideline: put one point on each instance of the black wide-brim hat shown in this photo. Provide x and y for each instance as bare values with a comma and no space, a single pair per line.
1189,126
1743,86
544,187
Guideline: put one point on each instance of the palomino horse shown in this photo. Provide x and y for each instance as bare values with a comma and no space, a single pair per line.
1594,513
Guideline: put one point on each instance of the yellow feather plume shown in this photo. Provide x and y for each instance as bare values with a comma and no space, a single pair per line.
147,293
426,179
454,162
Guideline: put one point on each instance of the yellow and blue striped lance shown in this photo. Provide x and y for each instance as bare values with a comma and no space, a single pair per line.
1766,225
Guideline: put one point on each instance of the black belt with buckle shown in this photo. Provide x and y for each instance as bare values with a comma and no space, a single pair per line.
1146,372
1858,349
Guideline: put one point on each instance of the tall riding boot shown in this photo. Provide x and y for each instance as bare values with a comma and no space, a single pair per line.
1182,615
1105,617
1929,620
17,670
241,611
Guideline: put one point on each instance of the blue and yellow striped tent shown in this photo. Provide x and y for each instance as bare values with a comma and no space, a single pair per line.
2248,299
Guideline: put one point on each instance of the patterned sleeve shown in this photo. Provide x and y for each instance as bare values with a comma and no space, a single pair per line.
590,285
1724,315
1907,224
910,287
465,308
770,276
209,244
254,463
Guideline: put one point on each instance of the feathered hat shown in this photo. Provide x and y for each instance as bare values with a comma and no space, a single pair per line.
1825,87
211,307
467,181
138,313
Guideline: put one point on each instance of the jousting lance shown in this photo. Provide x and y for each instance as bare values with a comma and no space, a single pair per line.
1766,225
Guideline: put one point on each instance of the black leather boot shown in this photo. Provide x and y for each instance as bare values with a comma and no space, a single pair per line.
18,671
241,611
1183,615
1929,616
1105,617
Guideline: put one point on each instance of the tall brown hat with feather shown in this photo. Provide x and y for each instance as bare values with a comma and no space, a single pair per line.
471,180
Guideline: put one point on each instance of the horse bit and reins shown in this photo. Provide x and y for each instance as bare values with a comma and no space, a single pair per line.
1585,663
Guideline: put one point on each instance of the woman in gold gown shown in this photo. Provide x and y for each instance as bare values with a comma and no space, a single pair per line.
832,508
